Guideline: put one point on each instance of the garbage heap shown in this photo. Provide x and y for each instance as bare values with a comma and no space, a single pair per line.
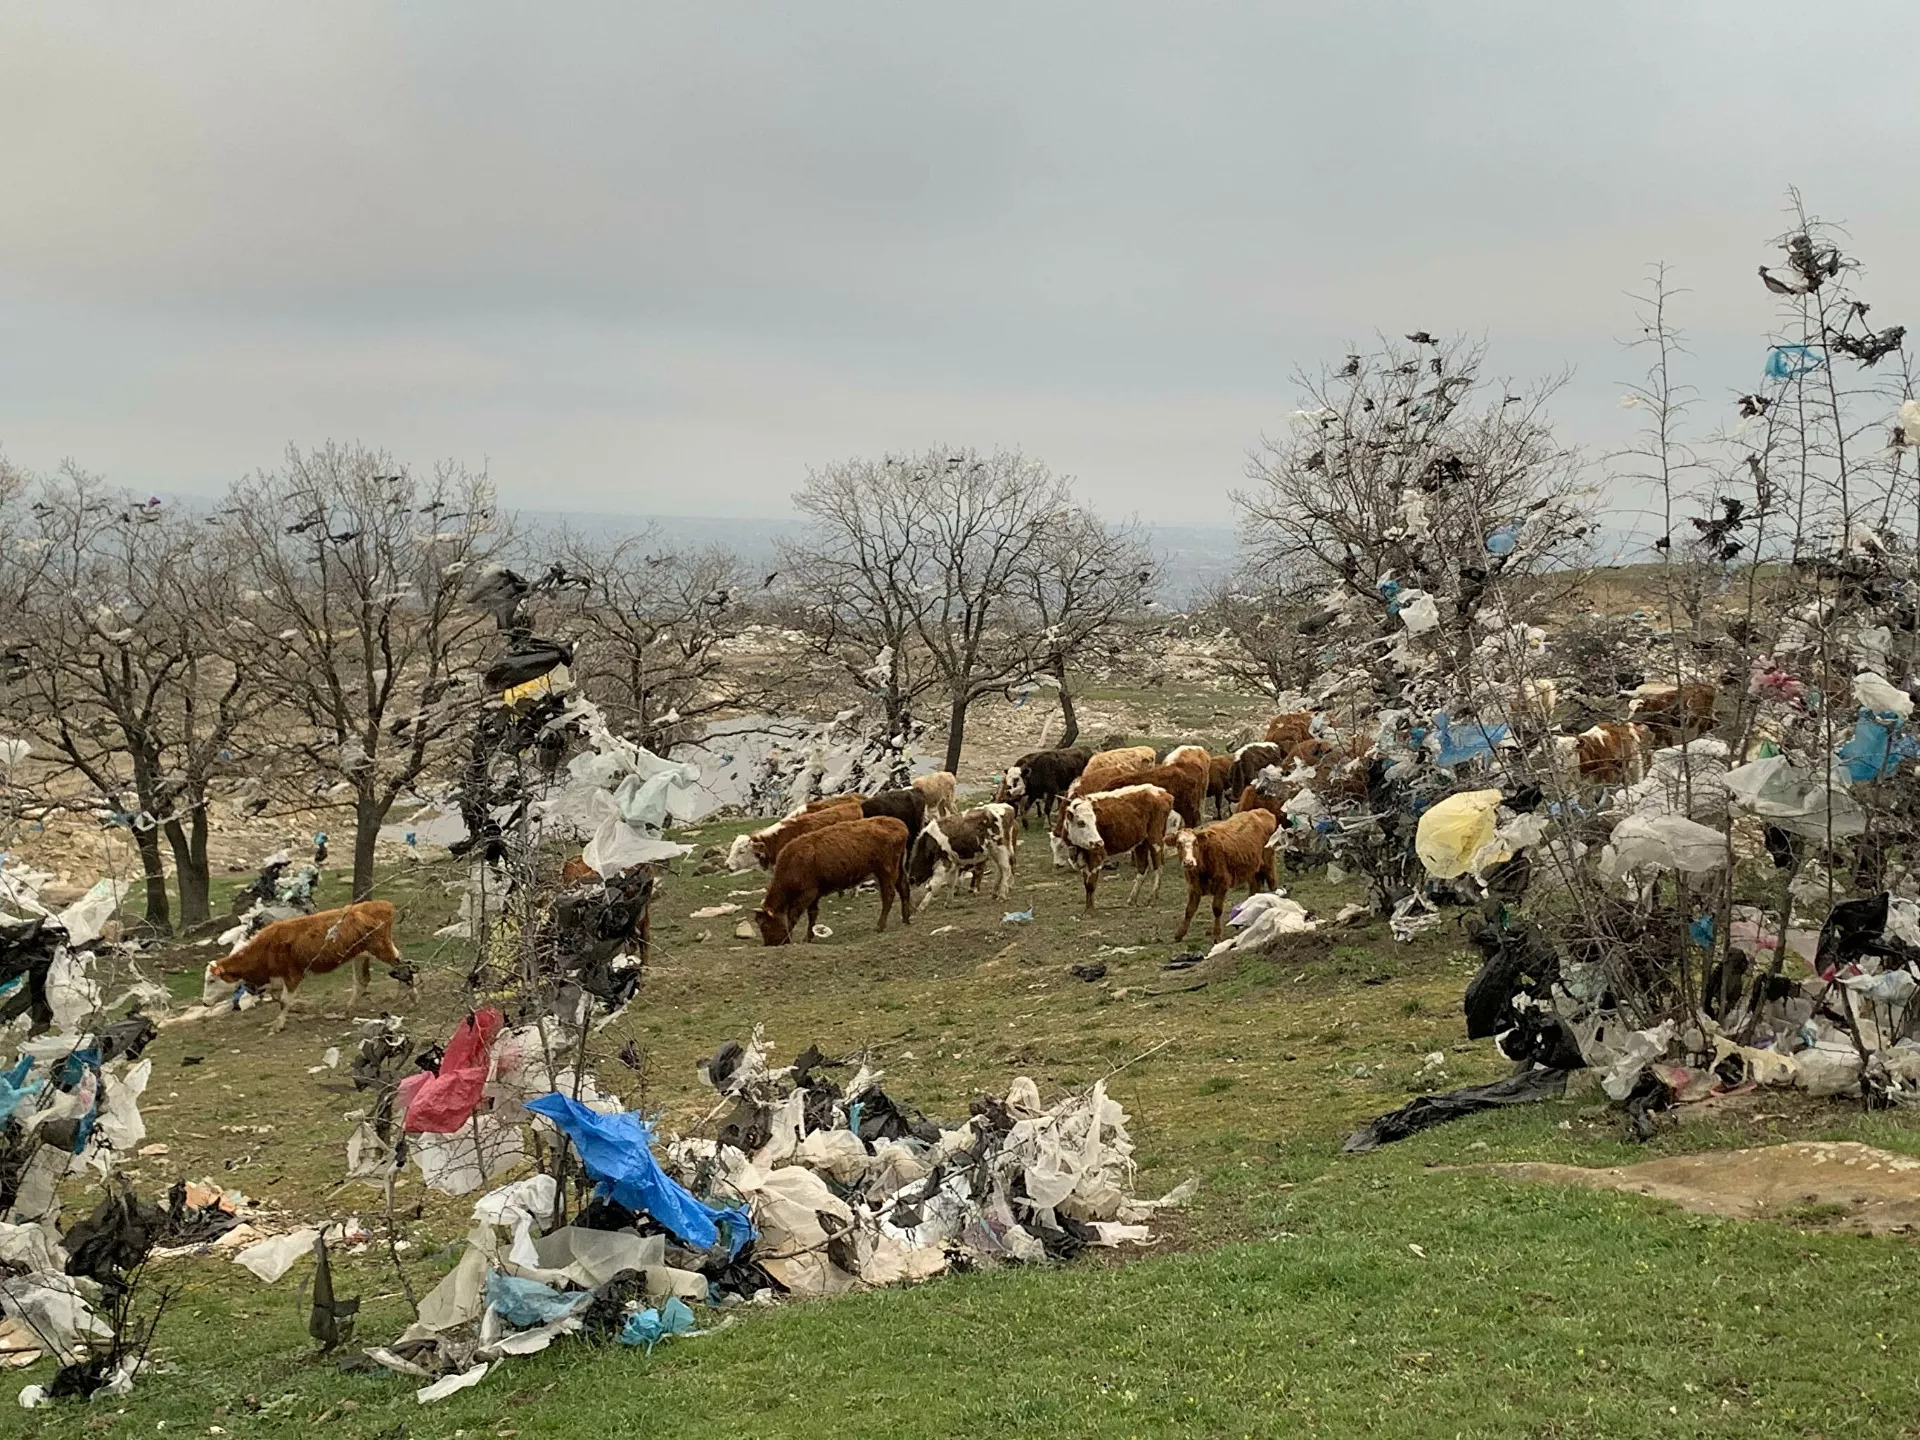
811,1181
69,1106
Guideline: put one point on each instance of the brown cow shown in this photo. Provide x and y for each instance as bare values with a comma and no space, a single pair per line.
1109,768
1674,714
1219,777
284,953
1220,856
1136,820
1291,728
829,861
763,847
1610,753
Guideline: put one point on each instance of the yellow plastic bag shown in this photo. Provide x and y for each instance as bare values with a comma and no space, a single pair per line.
1455,831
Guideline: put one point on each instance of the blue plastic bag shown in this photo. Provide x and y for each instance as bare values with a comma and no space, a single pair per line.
650,1327
525,1302
1876,748
15,1087
1790,362
617,1152
1503,540
1471,741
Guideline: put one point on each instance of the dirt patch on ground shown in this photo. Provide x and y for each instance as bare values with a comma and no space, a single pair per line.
1838,1185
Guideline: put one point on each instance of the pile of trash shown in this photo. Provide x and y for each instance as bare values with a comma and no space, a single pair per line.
812,1181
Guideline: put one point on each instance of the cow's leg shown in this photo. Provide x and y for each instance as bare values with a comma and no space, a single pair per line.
1193,904
281,991
885,880
1219,904
362,977
1003,880
1139,876
1156,860
1092,880
813,919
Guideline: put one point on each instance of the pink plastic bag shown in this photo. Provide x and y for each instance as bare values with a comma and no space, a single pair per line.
441,1104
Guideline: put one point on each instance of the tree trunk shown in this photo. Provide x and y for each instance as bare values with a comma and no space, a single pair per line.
190,869
957,730
1068,715
368,816
155,869
192,884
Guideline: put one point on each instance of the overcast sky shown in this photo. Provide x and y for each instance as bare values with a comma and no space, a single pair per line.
662,257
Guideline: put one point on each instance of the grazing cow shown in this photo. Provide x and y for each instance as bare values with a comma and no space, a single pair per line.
1250,760
763,847
1610,753
282,955
828,861
1039,778
938,789
1136,820
1220,856
1109,768
1219,777
964,845
1291,728
1674,714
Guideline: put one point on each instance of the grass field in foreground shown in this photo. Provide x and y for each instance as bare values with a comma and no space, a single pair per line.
1288,1300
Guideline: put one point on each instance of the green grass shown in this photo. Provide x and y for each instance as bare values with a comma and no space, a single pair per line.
1286,1300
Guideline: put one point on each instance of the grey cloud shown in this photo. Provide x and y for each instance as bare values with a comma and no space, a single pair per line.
668,256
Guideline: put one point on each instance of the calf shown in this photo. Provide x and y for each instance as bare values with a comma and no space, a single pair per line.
965,845
938,789
1137,820
1219,777
1674,714
1039,778
287,951
827,862
763,847
1220,856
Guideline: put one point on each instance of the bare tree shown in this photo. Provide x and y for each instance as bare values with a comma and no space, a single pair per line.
126,686
653,623
354,616
1407,467
1259,622
913,564
1075,587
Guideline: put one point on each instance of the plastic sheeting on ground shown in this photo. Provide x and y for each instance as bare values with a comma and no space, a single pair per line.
616,1151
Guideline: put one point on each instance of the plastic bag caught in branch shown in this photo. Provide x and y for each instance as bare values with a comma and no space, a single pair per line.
1453,832
1662,842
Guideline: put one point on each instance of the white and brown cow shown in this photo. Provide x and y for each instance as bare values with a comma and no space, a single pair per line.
968,844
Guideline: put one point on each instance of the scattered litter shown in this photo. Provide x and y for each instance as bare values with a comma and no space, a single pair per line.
1016,917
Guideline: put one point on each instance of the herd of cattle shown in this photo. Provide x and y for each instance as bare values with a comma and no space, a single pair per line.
1101,807
1109,805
